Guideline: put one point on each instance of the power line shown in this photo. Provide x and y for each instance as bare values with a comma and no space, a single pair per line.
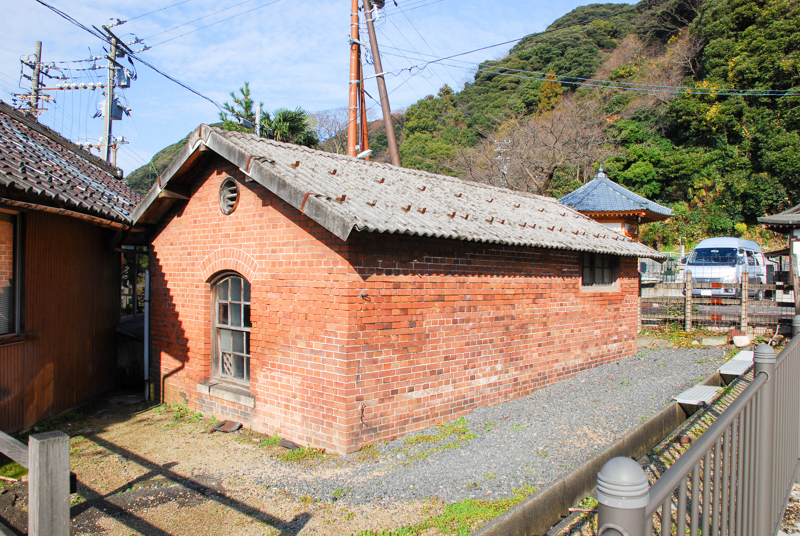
212,24
625,86
413,5
410,43
155,11
422,37
131,54
199,19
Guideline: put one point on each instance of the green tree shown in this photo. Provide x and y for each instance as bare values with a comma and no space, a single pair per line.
290,126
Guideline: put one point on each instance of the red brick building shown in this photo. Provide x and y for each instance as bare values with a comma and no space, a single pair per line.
338,302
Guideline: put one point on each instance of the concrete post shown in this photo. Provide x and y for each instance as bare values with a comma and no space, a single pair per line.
765,360
795,325
687,310
623,492
745,296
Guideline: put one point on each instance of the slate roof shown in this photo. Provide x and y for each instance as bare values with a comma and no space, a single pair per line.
602,195
41,167
344,194
784,221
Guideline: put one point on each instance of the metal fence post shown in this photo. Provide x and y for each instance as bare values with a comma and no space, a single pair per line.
622,493
765,360
745,292
687,308
48,484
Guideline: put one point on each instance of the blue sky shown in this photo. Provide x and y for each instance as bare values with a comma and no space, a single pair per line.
293,53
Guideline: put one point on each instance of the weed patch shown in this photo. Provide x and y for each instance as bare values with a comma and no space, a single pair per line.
11,470
303,454
461,518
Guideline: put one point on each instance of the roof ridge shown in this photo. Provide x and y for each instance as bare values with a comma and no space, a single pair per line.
373,165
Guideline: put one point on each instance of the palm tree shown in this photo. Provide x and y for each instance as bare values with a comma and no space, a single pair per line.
291,126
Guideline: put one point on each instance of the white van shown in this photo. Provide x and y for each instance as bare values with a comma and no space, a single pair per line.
725,260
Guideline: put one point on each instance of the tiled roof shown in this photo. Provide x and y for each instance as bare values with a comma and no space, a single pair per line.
39,166
343,194
603,195
787,218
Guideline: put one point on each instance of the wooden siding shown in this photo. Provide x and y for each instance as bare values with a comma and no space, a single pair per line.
70,302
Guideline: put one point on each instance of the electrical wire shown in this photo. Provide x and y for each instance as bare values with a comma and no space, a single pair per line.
132,54
423,40
136,128
414,5
197,19
625,86
410,43
155,11
390,65
212,24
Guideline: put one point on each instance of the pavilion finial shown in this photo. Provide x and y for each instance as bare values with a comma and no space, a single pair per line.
600,173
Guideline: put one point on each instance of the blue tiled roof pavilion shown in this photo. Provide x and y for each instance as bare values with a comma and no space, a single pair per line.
603,197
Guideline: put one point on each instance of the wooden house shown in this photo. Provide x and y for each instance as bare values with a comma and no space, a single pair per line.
615,206
339,302
62,211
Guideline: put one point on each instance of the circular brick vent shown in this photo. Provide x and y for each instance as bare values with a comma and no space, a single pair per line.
228,196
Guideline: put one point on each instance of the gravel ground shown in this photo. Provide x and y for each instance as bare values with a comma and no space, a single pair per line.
156,471
530,441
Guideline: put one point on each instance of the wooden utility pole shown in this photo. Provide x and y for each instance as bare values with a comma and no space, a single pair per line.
352,115
391,139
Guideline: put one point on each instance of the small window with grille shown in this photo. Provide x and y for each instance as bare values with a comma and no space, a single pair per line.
599,269
228,196
231,296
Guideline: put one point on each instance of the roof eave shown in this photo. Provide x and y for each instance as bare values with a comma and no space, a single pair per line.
205,139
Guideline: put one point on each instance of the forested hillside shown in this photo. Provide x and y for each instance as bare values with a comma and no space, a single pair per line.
719,157
692,103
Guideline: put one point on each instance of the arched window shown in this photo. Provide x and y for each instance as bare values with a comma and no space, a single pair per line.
231,315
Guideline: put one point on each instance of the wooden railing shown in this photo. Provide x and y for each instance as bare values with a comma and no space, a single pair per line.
46,457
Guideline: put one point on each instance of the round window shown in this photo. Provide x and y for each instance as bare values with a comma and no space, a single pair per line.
228,196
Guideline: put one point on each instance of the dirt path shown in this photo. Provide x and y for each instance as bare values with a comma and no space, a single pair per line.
158,471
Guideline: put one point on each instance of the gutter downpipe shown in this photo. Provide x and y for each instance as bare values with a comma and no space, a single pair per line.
147,335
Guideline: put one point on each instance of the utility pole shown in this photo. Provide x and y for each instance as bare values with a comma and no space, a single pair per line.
355,60
391,139
112,63
35,81
362,103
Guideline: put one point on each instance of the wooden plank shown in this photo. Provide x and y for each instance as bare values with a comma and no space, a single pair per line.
48,485
169,194
69,363
14,449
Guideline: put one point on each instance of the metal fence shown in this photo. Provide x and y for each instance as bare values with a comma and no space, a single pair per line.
737,477
716,305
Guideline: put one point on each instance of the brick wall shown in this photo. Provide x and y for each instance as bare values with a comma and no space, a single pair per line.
362,341
448,326
299,308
